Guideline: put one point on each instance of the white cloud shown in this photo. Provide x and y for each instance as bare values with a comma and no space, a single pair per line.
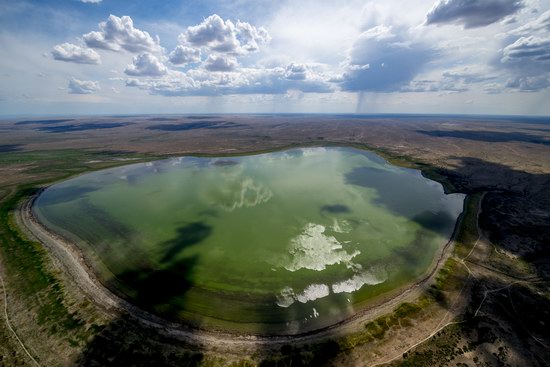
117,34
296,71
146,65
73,53
91,1
184,55
202,82
220,63
82,86
540,24
221,36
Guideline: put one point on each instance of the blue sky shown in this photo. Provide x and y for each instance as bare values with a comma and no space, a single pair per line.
392,56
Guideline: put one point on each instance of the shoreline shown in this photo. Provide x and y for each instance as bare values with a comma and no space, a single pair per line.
72,259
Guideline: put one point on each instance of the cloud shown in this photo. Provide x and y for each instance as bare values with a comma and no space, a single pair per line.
221,36
296,71
383,61
529,83
146,65
82,86
184,55
202,82
73,53
220,63
472,13
434,86
117,34
540,24
530,49
91,1
453,81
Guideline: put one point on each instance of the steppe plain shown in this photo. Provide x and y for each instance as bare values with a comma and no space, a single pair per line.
486,303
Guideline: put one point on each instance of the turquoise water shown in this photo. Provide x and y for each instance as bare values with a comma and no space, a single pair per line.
278,242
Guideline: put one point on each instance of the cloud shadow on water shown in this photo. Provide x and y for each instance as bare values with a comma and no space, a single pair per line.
61,195
400,196
159,289
188,235
335,209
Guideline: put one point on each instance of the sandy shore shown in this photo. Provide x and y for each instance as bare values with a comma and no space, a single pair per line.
75,266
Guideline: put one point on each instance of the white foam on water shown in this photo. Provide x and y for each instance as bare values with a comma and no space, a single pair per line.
313,292
287,296
357,281
314,250
315,313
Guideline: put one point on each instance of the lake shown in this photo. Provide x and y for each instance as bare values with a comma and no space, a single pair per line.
281,242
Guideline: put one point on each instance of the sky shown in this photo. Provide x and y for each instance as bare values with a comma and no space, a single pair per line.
79,57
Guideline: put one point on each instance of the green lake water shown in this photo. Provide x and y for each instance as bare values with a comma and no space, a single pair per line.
280,242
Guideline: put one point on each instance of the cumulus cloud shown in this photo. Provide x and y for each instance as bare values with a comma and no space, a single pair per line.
73,53
202,82
184,55
529,83
220,63
472,13
296,71
83,86
117,34
222,36
146,65
384,61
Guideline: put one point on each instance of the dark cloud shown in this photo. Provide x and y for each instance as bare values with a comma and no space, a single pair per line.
529,83
472,13
382,61
528,49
